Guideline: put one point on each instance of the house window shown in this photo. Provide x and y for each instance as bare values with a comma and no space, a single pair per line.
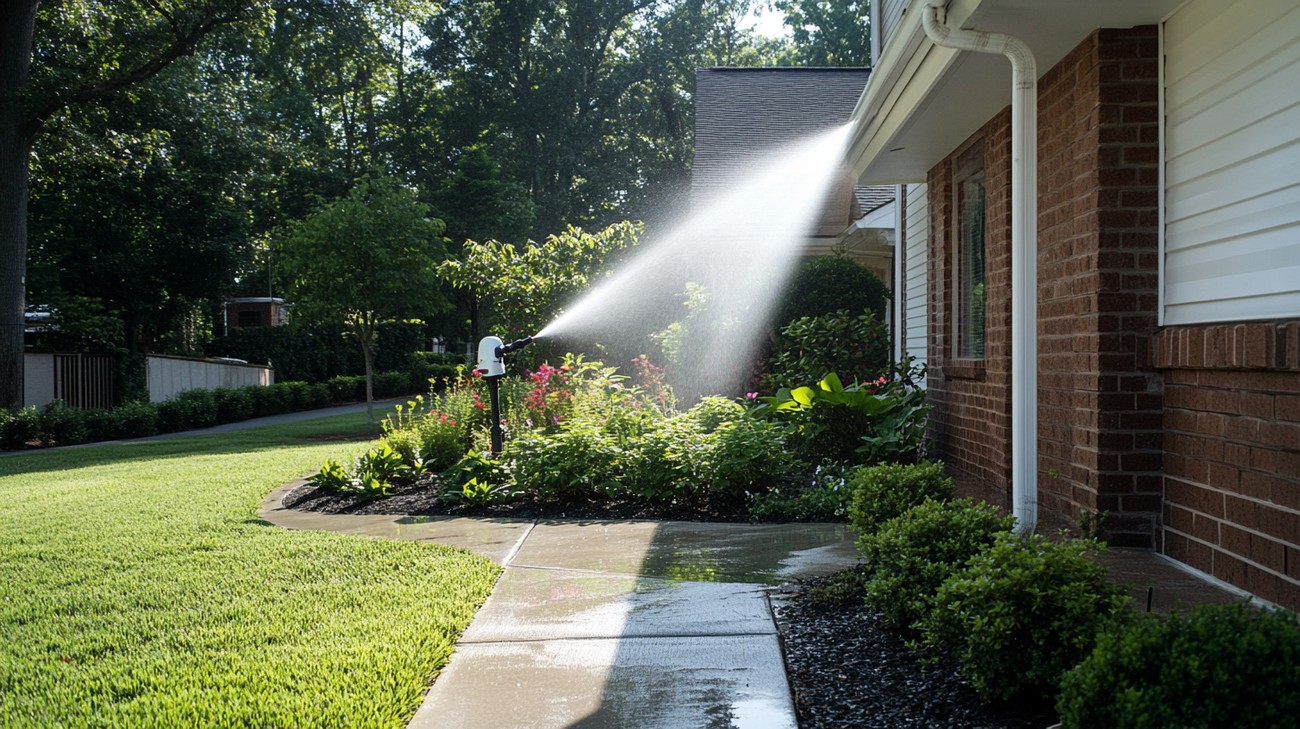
969,183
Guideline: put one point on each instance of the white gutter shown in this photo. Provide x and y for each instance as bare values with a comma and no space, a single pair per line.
1024,253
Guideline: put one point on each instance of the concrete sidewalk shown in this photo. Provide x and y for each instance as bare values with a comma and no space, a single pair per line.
614,624
640,624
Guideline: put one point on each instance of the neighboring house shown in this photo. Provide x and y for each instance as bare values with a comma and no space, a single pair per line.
743,115
254,311
1165,385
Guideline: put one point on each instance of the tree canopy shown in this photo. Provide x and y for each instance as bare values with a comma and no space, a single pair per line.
150,149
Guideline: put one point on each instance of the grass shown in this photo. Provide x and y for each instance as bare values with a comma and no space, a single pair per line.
138,587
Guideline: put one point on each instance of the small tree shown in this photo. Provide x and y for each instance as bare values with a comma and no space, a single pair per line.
527,285
366,258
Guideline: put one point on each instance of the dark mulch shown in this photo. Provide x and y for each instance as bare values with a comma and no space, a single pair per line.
848,668
422,498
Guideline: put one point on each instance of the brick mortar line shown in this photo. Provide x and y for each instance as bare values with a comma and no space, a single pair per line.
1245,497
1235,555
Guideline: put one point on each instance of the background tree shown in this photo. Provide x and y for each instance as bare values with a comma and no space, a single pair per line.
829,32
364,259
529,285
87,52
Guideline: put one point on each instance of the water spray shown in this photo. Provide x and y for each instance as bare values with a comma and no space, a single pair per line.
492,366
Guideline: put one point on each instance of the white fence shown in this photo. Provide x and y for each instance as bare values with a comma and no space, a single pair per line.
170,375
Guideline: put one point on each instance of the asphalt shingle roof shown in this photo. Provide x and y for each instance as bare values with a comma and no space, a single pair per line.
742,114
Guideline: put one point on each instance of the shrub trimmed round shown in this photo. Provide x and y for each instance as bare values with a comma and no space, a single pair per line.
1022,613
824,284
1217,666
912,555
886,491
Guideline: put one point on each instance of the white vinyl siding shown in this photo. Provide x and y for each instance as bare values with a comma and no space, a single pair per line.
1232,162
916,226
891,14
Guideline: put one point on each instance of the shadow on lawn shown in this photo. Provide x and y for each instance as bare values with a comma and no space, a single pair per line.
253,440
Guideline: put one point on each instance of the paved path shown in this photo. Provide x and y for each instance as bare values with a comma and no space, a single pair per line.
613,624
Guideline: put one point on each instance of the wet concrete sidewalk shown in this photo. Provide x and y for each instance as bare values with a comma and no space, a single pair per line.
645,624
614,624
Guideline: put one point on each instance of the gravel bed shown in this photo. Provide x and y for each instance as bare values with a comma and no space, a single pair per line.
848,668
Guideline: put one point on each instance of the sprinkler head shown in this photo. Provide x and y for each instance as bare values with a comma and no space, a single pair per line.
515,345
491,351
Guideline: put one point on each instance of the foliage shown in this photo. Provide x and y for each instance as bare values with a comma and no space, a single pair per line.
369,477
18,427
578,461
62,424
1216,666
823,285
427,440
911,555
887,491
843,589
478,468
826,498
808,348
364,259
177,562
829,32
877,422
527,285
1022,613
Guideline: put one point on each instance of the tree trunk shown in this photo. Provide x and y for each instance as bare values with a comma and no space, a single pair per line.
366,334
17,20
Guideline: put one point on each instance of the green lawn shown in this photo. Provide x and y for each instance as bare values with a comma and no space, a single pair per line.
138,588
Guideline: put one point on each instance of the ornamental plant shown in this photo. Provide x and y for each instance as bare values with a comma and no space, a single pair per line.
887,491
911,555
1022,613
1217,666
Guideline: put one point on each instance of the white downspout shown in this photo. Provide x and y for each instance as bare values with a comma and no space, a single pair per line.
1024,253
900,273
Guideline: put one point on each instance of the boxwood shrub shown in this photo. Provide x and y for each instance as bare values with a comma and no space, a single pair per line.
912,555
883,492
1217,666
1022,613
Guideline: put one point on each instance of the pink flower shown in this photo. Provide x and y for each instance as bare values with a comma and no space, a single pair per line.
751,395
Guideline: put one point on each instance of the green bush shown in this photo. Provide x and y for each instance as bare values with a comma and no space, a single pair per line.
135,420
826,498
910,556
442,442
1221,666
855,346
744,456
294,396
62,424
712,412
577,462
347,387
663,462
317,396
1022,613
271,400
388,384
824,284
233,404
884,492
187,410
20,427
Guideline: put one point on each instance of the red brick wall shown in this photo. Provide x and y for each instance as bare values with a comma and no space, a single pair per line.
1232,454
1099,397
971,421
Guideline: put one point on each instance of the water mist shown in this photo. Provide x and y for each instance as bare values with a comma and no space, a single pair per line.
732,254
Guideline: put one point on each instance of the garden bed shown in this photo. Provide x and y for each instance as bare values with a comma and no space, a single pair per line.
848,668
425,498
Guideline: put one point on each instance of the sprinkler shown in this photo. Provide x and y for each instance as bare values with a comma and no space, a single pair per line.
493,367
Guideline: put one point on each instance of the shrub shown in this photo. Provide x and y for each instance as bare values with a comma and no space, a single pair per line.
62,424
233,404
270,400
293,395
910,556
712,412
135,419
442,441
576,462
824,284
317,395
664,461
826,498
347,387
20,427
1214,667
854,346
186,410
1022,613
882,421
744,456
388,384
883,492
